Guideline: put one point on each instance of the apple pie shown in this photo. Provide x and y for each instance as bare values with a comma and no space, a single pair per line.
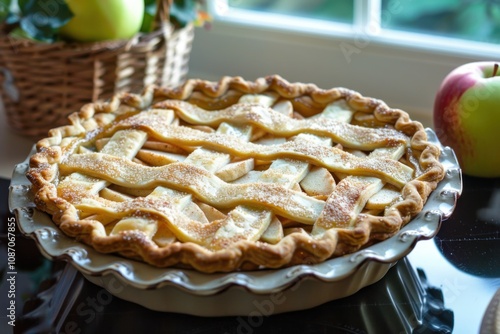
235,174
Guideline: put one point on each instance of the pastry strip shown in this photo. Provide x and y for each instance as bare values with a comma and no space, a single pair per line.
203,158
350,196
331,158
125,143
284,172
348,135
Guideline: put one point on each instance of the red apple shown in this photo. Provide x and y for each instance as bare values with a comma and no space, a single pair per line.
467,117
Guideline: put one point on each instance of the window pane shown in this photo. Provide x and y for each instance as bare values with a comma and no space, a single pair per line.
338,10
467,19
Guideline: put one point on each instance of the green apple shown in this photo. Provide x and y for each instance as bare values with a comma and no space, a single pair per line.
467,117
99,20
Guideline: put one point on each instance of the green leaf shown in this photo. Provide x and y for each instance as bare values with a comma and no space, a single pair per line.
183,11
42,19
20,33
149,15
4,9
24,4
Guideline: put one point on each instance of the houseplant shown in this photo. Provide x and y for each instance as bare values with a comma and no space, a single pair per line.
45,75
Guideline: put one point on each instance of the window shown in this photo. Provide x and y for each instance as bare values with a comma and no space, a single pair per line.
465,19
471,20
396,50
476,20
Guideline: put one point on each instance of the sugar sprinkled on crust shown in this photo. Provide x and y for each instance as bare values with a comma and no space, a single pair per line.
193,220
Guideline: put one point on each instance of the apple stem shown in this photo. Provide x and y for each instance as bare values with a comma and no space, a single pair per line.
495,69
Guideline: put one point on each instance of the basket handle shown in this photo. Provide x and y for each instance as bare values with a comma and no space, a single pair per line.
162,13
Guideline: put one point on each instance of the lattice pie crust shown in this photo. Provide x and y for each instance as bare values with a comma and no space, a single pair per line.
235,175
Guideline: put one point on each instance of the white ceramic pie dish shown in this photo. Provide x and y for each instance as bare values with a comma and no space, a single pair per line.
241,293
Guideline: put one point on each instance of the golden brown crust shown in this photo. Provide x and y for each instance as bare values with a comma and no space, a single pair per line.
93,120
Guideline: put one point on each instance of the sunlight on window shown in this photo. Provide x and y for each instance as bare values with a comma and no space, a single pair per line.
476,20
338,10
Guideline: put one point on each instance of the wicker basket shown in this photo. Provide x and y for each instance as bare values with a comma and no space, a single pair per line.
42,83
